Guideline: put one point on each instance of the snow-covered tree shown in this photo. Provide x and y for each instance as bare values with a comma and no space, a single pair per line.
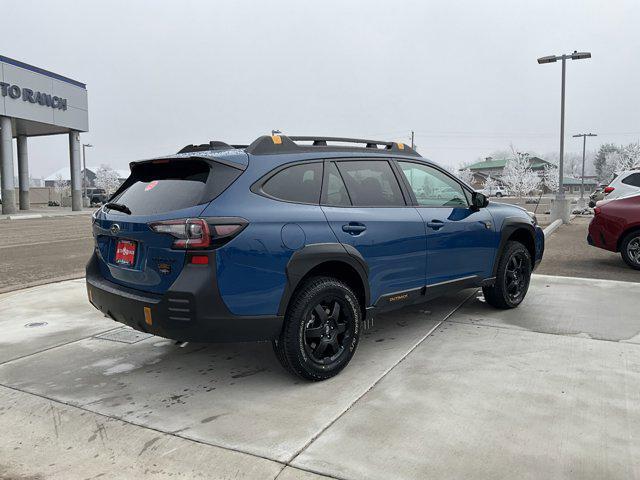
551,177
61,185
490,184
465,175
619,159
518,176
107,178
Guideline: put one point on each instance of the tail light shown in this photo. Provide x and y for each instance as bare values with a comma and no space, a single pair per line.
608,190
198,233
597,211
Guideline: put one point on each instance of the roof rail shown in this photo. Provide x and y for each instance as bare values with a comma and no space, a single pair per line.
274,144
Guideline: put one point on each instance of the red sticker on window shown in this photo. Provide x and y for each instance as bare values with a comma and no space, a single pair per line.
151,185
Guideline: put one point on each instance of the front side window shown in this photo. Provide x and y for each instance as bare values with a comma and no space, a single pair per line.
433,188
371,183
298,183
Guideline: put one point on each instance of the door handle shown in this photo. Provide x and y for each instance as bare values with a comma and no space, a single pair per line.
353,228
435,224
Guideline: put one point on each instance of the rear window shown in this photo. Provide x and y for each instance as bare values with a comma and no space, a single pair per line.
633,180
162,187
299,183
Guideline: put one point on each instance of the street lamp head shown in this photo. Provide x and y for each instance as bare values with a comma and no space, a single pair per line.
87,145
547,59
580,55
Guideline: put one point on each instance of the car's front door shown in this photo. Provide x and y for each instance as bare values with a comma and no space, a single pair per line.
461,240
366,209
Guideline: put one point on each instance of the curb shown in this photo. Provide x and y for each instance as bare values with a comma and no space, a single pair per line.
24,217
29,216
552,227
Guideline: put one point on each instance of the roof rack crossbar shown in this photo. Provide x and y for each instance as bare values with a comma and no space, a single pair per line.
275,144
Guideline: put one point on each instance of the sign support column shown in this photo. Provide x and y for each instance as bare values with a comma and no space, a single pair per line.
6,166
76,179
23,173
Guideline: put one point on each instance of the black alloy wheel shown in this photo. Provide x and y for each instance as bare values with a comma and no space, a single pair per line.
512,277
327,333
516,281
321,329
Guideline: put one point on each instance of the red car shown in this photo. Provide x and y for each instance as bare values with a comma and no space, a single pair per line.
616,227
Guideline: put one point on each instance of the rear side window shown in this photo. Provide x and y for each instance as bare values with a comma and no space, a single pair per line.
371,183
163,187
298,183
633,180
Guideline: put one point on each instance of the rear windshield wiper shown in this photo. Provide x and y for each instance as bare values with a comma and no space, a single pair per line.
118,206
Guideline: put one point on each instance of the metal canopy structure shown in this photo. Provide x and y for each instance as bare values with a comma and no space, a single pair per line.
37,102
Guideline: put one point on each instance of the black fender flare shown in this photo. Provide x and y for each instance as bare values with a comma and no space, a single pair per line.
304,260
509,226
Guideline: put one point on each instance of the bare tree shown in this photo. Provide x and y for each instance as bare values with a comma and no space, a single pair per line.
107,178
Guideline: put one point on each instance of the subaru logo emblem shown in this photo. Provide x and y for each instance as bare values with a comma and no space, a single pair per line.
115,228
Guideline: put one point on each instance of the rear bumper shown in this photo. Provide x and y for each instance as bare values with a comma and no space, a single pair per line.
598,235
191,310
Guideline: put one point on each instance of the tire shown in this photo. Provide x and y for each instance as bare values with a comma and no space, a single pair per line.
512,278
498,194
630,249
314,344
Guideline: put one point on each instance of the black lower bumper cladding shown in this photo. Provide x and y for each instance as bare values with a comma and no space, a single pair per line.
191,310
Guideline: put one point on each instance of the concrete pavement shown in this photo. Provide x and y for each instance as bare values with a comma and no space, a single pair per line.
450,389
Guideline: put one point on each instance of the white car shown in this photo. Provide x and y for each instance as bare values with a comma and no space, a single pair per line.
625,184
496,191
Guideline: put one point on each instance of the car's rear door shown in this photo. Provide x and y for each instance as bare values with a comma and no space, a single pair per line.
366,209
129,252
461,240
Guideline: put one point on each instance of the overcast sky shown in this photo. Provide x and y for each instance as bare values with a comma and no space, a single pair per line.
462,74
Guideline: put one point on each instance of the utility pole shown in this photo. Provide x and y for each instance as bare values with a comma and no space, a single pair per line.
584,147
412,142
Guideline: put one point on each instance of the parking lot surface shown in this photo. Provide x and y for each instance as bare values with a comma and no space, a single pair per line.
36,251
567,253
452,389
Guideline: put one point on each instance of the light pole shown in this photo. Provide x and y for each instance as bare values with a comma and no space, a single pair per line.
84,170
561,207
584,146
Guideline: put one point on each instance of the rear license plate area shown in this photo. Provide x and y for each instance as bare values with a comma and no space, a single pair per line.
126,253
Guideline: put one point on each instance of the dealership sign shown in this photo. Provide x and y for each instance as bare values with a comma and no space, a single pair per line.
27,95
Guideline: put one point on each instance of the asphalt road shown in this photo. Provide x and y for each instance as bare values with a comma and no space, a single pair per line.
37,251
568,254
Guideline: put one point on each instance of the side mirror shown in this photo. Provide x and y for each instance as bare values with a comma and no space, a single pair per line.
479,200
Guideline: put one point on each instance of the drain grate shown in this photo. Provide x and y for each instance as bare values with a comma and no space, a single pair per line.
124,335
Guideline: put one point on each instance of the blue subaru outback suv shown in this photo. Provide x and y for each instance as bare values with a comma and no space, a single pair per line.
298,240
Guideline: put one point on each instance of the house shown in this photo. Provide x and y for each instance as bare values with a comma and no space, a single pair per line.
572,185
64,175
494,167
